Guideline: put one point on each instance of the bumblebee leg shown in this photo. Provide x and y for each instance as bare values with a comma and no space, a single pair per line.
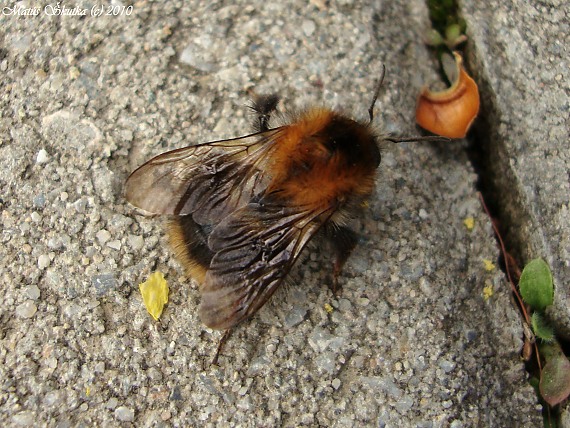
343,240
263,106
223,340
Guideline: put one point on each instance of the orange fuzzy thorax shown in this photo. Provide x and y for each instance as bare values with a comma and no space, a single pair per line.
324,159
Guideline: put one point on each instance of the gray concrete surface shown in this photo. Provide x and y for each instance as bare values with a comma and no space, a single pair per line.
520,52
410,342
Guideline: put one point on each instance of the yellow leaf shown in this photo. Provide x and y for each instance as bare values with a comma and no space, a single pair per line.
155,294
469,223
489,265
488,290
328,308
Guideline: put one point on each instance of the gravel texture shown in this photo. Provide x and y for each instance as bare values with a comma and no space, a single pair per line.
521,52
411,341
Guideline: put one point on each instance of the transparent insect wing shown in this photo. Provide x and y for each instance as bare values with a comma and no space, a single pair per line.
254,248
208,180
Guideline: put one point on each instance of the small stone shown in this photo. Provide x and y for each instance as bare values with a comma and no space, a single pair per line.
26,309
33,292
24,419
336,383
39,201
136,242
53,399
308,27
124,414
175,395
196,57
54,243
404,404
344,305
42,157
74,73
257,365
320,340
325,362
80,205
295,316
112,403
446,366
36,218
103,236
104,282
70,310
115,245
25,227
43,261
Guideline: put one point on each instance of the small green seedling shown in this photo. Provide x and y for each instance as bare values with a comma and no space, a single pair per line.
537,290
536,285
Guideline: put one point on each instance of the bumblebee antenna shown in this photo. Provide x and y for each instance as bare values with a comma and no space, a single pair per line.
376,92
433,138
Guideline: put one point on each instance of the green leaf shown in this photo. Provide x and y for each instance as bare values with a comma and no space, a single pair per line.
433,38
452,32
536,284
555,375
540,328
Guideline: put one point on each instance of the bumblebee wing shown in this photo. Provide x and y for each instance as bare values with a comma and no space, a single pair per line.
208,180
255,248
